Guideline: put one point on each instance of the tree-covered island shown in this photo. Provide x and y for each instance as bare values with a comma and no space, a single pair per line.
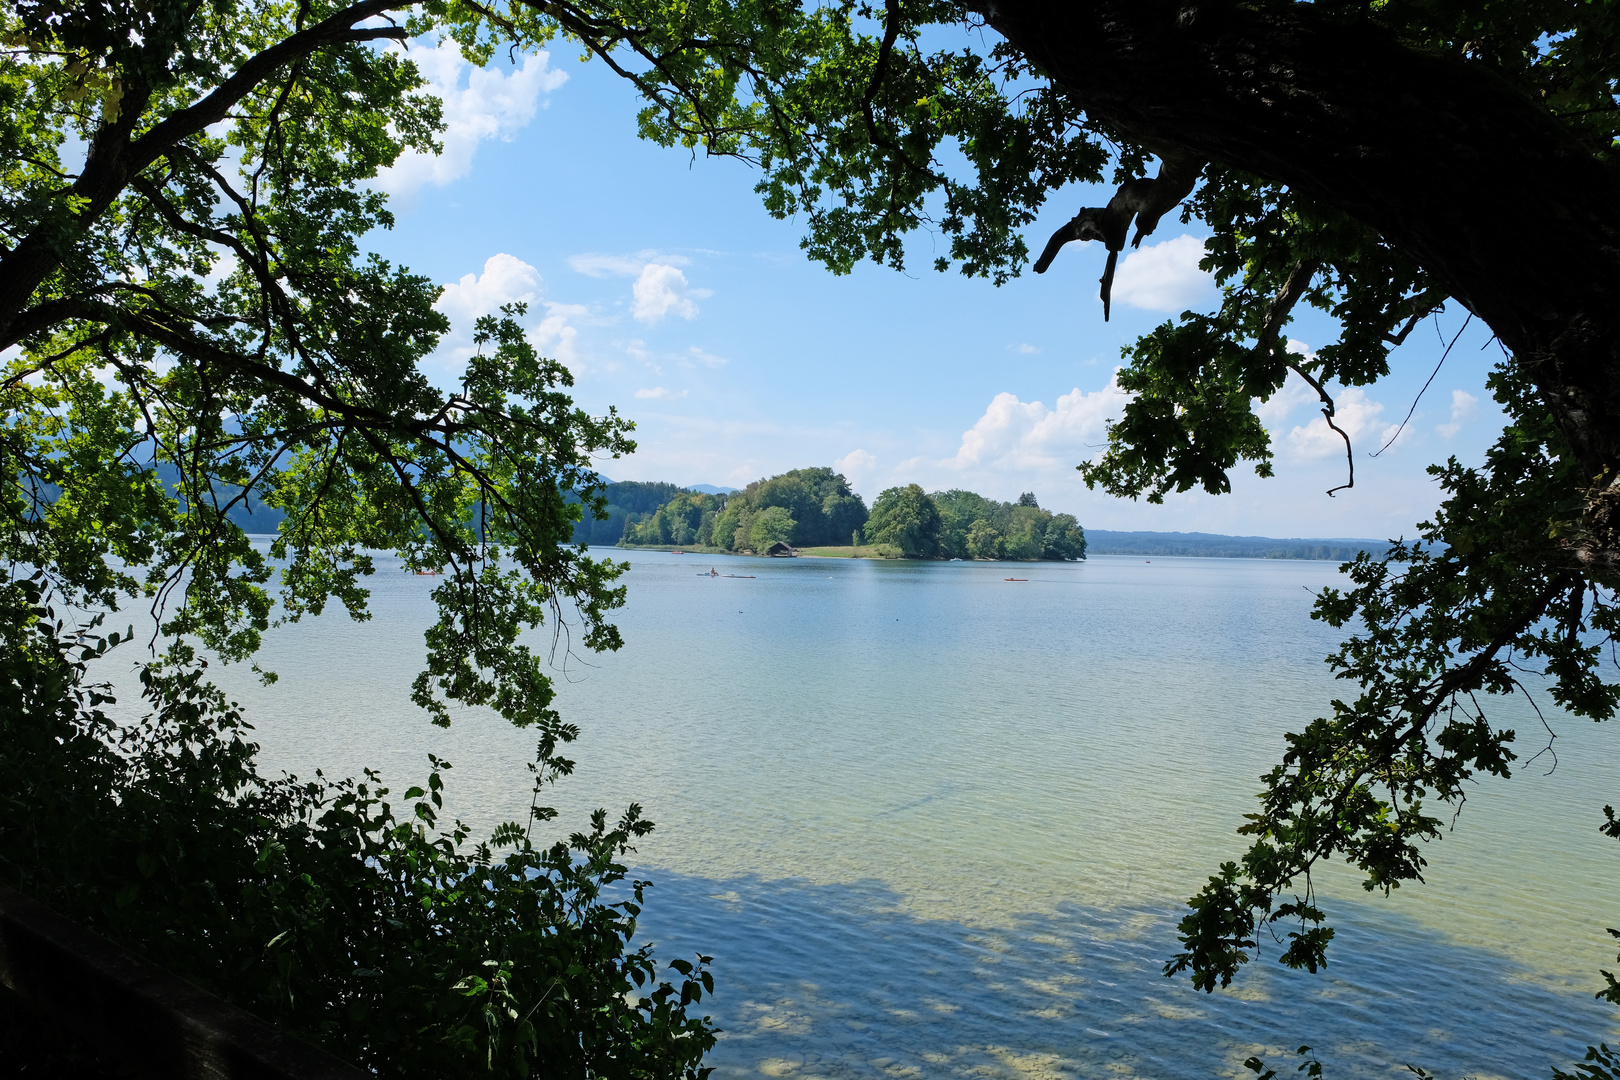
815,508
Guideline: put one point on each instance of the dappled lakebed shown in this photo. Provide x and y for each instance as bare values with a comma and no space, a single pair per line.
930,822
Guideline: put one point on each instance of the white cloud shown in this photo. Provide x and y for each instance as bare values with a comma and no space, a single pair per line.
1355,413
506,279
1024,435
1293,393
1015,445
492,105
663,290
555,336
595,264
659,393
1463,406
1025,348
1163,277
856,466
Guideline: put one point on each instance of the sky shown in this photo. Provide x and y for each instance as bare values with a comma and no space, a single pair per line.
671,294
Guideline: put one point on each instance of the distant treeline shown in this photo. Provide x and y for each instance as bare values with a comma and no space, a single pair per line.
816,508
804,507
1215,546
627,501
962,525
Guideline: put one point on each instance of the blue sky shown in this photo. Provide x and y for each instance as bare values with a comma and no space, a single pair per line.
671,294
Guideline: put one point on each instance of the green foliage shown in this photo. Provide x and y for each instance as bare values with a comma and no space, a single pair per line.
296,372
628,503
189,325
1601,1063
906,519
206,258
1441,626
848,133
978,528
770,525
686,518
905,522
984,540
353,921
875,123
817,504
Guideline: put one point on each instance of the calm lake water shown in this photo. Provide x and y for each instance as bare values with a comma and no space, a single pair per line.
931,823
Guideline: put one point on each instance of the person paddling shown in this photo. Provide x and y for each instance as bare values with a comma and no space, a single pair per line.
713,572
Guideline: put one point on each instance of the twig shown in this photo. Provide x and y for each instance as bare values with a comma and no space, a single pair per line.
1419,397
1328,411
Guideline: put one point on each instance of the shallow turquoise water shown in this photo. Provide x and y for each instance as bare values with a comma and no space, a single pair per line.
930,822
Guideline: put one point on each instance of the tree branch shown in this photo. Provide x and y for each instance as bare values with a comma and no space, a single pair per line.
1328,411
1299,279
1142,199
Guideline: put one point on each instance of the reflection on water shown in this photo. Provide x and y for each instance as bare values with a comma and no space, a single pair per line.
932,822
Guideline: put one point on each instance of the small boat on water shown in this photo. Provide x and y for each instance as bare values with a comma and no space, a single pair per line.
677,553
1015,579
750,577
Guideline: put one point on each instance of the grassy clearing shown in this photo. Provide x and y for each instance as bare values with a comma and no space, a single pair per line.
865,551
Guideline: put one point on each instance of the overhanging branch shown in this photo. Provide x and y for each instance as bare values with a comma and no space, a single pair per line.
1142,199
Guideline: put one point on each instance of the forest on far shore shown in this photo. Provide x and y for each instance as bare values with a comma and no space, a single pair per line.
815,507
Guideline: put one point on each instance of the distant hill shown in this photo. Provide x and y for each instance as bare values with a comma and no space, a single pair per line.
711,489
1216,546
251,515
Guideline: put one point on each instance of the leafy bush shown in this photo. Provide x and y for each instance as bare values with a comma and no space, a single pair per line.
355,922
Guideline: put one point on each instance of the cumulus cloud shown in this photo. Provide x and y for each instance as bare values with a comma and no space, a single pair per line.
660,290
1163,277
1354,412
1027,434
856,466
1025,348
663,290
507,279
1013,445
659,393
1463,406
491,105
556,335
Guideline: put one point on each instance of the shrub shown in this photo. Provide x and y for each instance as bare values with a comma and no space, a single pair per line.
346,918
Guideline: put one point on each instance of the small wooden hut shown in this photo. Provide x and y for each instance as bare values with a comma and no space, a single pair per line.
781,550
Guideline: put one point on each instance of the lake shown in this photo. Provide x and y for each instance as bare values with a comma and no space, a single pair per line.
930,822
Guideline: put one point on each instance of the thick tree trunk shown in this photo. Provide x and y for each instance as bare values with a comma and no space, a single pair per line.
1443,157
